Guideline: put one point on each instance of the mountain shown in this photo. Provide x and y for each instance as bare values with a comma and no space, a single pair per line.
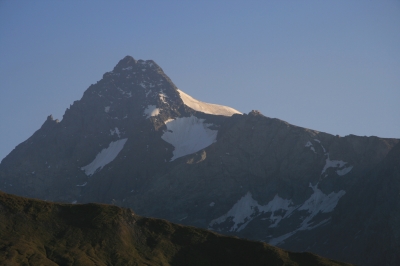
135,140
34,232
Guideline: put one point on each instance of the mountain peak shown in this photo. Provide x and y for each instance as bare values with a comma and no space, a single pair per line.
127,61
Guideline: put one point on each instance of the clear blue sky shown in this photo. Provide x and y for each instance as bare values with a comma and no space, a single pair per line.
332,66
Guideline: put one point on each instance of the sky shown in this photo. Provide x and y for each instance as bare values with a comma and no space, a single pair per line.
332,66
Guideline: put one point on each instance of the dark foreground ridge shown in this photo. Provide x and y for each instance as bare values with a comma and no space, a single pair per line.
34,232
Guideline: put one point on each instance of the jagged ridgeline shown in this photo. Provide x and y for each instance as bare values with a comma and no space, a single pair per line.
34,232
137,141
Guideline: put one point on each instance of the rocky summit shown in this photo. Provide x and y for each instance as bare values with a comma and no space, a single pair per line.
135,140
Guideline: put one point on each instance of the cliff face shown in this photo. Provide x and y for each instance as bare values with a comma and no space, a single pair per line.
136,141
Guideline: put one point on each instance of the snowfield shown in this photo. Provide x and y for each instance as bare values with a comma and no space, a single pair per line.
188,135
207,108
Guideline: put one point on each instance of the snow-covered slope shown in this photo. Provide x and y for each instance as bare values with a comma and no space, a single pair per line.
106,156
188,135
208,108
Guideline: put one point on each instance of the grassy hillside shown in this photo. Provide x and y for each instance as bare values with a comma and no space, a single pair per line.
34,232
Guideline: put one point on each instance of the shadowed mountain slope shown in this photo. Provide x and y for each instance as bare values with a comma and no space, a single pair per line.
34,232
137,141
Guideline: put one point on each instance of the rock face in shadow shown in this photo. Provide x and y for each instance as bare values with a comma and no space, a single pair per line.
134,141
34,232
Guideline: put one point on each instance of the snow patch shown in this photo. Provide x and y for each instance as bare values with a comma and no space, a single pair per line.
151,110
246,209
336,164
128,94
212,204
309,144
207,108
318,202
344,171
188,135
107,109
104,157
162,97
84,184
115,131
168,120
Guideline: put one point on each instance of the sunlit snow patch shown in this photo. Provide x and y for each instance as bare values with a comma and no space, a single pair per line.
104,157
188,135
151,110
207,108
162,97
